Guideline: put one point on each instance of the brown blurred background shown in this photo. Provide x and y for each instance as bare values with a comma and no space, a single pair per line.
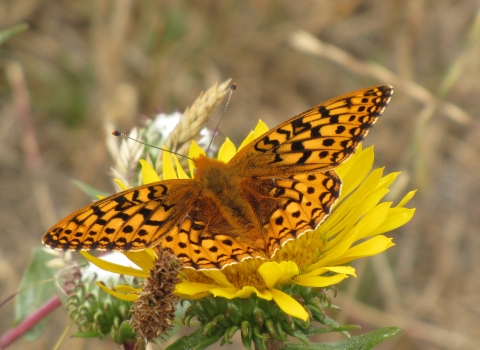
84,62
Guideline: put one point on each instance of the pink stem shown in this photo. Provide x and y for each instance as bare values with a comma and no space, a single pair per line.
14,333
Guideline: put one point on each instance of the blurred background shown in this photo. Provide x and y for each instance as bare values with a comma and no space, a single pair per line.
86,62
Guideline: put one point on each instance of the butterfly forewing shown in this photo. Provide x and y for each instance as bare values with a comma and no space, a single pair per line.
318,139
127,221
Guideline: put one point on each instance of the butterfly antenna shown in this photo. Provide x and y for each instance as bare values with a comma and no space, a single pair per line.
121,134
233,87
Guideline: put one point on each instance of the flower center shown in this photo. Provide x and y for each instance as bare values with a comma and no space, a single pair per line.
304,251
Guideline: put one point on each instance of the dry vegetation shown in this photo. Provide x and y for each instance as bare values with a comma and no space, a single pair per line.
82,63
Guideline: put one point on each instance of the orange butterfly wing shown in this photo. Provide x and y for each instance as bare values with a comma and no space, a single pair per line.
206,240
290,206
127,221
316,140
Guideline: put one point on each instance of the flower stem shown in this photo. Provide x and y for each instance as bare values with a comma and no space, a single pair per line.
16,332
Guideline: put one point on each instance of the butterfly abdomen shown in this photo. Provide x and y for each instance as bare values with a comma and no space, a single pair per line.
222,185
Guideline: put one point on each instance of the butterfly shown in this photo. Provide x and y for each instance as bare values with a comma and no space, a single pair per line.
273,190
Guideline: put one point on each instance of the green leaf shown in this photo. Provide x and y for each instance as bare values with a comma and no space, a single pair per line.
361,342
36,288
197,340
318,330
12,31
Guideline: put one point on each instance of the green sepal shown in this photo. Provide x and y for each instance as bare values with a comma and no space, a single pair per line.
233,313
280,332
246,332
259,339
364,342
289,325
229,333
271,328
260,316
37,287
300,323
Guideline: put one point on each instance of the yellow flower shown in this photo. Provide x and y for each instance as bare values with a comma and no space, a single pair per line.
317,258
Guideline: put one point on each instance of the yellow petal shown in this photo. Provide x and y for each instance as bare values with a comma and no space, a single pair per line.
194,152
247,140
193,297
120,184
320,281
142,259
372,200
149,174
350,215
352,201
192,288
123,288
228,293
337,250
354,171
152,253
288,270
273,272
407,198
346,167
127,297
315,272
373,219
348,270
396,217
387,180
260,129
264,294
115,268
270,272
218,277
371,247
245,292
181,173
226,151
168,171
289,305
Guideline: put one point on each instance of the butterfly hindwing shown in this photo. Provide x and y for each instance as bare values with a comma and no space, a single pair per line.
127,221
289,206
319,139
199,242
